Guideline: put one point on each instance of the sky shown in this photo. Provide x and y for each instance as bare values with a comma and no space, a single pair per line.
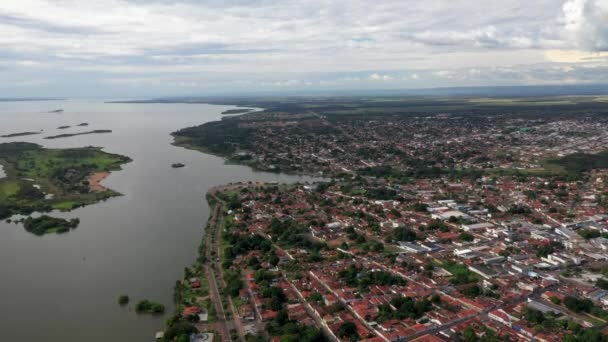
72,48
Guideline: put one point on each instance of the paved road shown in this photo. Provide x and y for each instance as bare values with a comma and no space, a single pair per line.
214,293
215,227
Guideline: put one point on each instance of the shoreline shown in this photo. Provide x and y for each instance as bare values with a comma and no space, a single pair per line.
95,180
230,161
207,272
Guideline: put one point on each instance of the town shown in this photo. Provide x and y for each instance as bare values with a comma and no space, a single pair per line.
439,228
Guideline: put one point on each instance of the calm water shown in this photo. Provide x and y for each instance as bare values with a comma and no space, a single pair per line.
65,287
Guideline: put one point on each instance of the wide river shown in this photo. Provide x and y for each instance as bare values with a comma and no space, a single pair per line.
65,287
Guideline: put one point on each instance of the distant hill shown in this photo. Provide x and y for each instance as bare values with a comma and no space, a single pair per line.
489,91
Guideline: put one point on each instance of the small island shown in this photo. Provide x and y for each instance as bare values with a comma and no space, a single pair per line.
57,111
237,111
68,135
21,134
47,224
123,300
63,127
40,179
177,165
150,307
83,124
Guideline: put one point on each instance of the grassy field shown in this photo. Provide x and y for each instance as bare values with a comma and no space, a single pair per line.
39,179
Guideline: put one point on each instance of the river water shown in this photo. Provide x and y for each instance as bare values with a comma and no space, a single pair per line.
65,287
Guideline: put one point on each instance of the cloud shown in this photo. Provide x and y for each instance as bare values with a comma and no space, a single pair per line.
231,44
586,23
378,77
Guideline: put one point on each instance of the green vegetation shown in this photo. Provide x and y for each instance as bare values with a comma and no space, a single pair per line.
179,330
292,331
363,279
288,234
315,297
460,273
147,306
467,237
348,330
585,305
576,164
403,234
68,135
47,224
406,307
39,179
21,134
236,111
123,300
549,248
602,283
369,106
219,137
588,234
234,283
574,331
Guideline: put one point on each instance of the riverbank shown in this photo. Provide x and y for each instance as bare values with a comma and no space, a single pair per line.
230,141
199,305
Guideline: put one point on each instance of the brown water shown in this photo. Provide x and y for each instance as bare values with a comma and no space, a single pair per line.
65,287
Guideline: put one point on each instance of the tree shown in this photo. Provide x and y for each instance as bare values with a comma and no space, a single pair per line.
466,237
602,283
469,335
403,234
347,329
179,328
555,300
315,297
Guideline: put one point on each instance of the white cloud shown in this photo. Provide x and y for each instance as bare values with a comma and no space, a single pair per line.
586,23
290,43
378,77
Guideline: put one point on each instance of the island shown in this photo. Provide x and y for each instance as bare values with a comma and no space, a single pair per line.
40,180
123,300
148,306
63,127
69,135
57,111
47,224
237,111
177,165
21,134
83,124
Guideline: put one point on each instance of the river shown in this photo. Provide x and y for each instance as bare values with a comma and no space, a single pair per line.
65,287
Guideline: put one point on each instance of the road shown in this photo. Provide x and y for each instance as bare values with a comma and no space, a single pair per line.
214,243
214,293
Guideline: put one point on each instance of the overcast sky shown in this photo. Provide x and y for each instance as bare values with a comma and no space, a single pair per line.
160,47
